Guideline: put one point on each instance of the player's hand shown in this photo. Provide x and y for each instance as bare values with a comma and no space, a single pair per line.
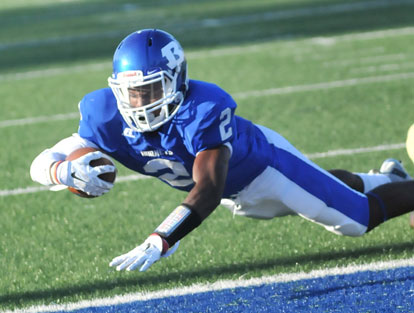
80,175
144,255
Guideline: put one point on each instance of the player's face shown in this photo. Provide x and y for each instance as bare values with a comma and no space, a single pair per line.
143,95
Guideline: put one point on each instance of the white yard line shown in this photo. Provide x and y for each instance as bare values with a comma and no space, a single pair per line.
21,191
39,119
57,71
389,67
340,152
242,95
367,60
221,285
134,177
324,85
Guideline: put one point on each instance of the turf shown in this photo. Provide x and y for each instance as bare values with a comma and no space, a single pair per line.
55,247
384,291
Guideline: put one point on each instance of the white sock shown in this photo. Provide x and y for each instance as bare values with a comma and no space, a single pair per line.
373,180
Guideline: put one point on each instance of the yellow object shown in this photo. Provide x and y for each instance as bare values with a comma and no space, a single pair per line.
412,219
409,145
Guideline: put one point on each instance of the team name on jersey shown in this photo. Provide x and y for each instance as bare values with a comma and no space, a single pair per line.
156,153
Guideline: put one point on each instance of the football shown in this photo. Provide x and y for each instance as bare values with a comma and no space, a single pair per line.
109,177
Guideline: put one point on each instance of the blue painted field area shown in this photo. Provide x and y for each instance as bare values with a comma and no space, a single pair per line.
381,291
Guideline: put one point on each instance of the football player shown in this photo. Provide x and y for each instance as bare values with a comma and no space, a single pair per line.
409,144
157,122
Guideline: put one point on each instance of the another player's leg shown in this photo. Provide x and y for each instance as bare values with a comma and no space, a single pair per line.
391,171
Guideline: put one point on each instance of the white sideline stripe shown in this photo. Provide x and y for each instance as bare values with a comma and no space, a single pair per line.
21,191
378,34
57,71
324,85
318,155
38,119
222,285
340,152
369,59
243,95
382,67
225,21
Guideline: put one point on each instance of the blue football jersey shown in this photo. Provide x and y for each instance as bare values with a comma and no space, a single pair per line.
205,120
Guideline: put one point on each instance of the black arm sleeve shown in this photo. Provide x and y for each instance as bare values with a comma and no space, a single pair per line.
178,224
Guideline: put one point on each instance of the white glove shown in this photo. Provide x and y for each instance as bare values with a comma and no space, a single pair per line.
80,175
144,255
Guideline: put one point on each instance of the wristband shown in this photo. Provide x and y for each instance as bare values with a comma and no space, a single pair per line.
53,171
179,223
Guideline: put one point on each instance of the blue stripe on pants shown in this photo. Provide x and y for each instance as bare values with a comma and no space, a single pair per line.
323,185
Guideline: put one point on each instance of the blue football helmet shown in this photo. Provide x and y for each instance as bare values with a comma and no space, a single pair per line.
149,78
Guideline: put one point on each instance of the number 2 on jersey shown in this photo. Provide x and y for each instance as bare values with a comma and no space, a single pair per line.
225,130
179,177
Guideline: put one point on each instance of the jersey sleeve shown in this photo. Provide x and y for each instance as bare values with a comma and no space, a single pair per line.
214,124
85,129
99,121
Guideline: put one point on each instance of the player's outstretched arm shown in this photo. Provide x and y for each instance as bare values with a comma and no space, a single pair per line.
209,174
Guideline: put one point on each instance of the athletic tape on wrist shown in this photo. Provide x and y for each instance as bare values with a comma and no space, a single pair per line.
178,224
53,173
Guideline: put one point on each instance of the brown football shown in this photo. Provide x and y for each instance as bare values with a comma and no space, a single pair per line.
109,177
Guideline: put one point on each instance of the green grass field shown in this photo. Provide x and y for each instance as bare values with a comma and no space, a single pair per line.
328,75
